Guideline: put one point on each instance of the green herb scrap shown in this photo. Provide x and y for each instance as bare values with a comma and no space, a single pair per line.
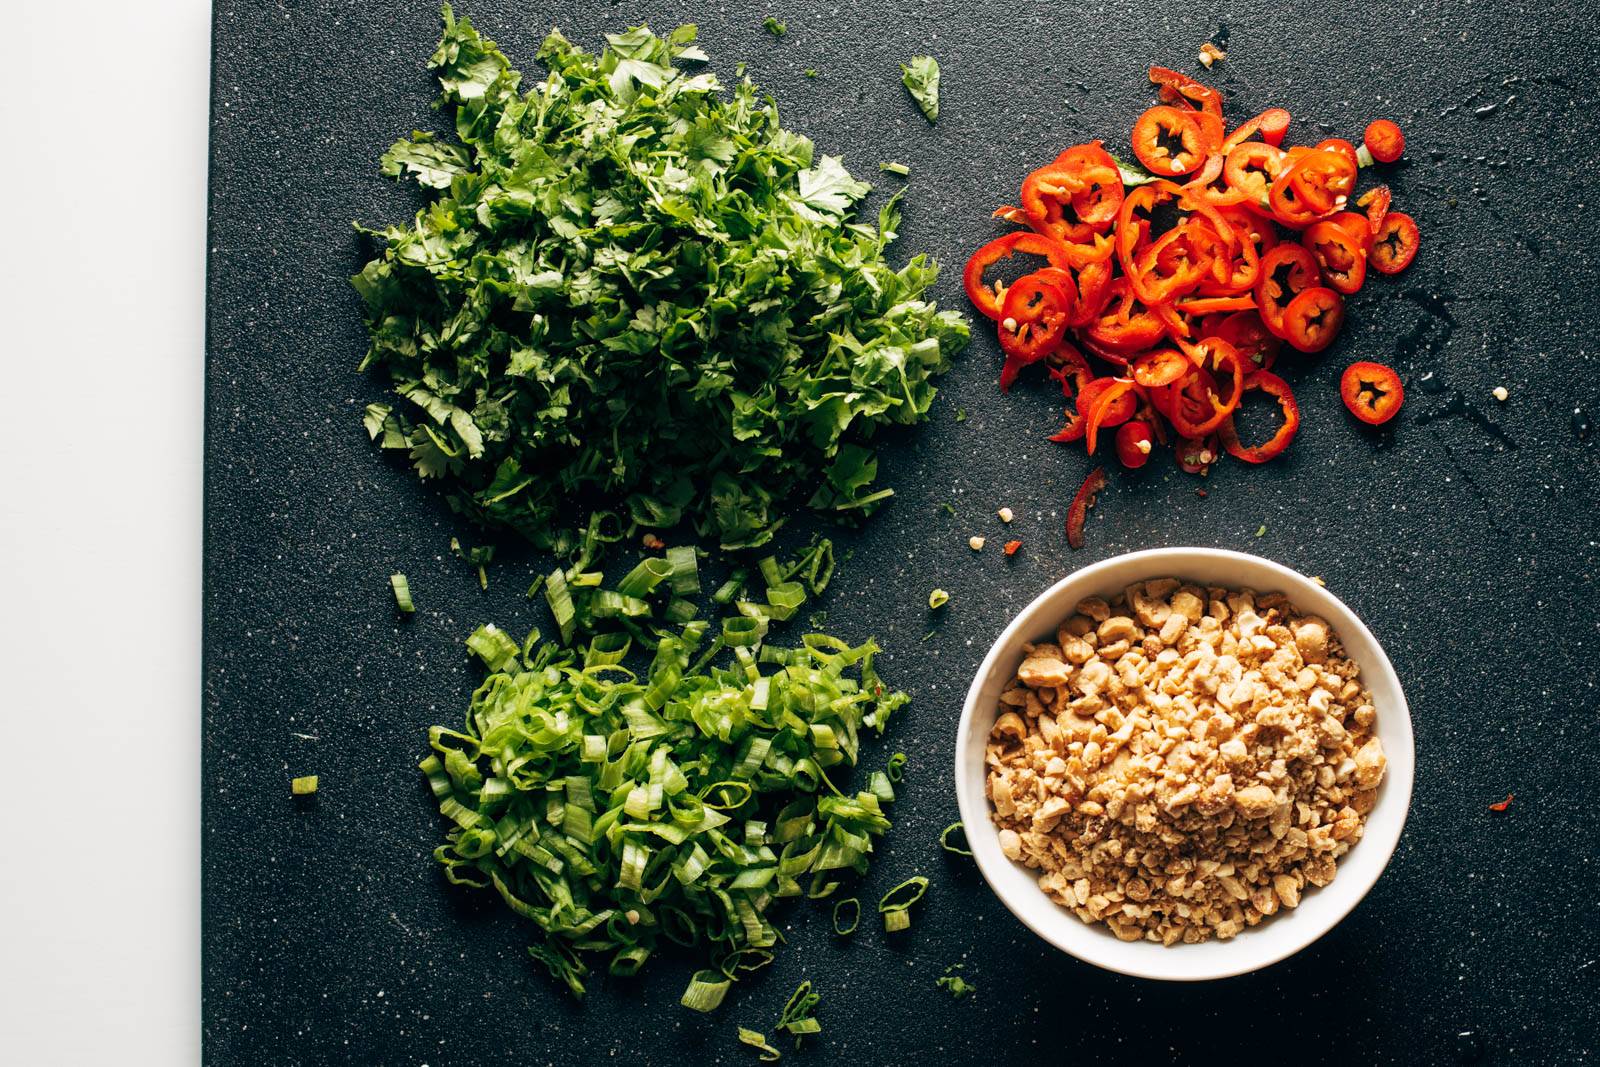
954,984
634,288
774,27
618,809
921,78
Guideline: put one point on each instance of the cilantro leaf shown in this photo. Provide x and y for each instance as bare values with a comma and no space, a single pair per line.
921,77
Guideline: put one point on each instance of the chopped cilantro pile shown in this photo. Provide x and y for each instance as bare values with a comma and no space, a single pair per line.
619,810
634,288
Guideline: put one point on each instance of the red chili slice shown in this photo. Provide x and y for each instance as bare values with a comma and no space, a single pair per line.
1271,124
1176,87
1194,408
1276,387
1082,501
1384,140
1312,319
1196,455
1376,200
1113,404
1342,147
1134,444
1174,264
1067,366
987,299
1323,179
1126,325
1373,392
1246,332
1075,198
1395,245
1355,225
1139,207
1286,272
1155,369
1341,255
1033,320
1094,290
1169,141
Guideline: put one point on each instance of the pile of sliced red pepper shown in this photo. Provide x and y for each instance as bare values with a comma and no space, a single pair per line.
1188,284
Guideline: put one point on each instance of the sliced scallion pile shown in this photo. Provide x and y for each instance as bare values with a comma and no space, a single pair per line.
618,807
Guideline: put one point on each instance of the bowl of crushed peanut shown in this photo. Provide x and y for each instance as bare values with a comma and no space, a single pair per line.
1184,763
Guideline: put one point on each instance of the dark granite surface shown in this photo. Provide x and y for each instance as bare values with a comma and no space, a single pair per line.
1464,535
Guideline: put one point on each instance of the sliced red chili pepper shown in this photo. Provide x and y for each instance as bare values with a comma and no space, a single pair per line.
1502,805
1277,388
1169,141
1252,167
1011,547
1203,185
1211,305
1176,87
1067,366
1286,205
1395,245
1134,444
1155,369
1286,272
1034,318
1195,455
1139,208
1094,290
1112,403
1355,225
1194,408
1372,391
1174,264
1341,255
1271,124
1126,325
1384,140
986,298
1312,319
1246,332
1075,197
1342,147
1323,179
1376,200
1082,501
1011,213
1251,226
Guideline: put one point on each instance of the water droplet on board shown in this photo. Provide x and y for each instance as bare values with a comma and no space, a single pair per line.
1582,425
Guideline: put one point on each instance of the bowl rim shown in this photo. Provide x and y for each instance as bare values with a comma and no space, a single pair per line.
984,842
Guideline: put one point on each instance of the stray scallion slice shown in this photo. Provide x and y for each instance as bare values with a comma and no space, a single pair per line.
303,786
896,903
954,984
938,599
896,767
706,990
851,907
895,168
960,849
402,593
798,1014
757,1040
774,27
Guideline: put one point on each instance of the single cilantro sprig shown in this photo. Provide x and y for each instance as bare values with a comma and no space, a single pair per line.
921,79
634,288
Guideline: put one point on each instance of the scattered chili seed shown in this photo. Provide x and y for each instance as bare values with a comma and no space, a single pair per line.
975,543
1502,805
1501,393
1005,514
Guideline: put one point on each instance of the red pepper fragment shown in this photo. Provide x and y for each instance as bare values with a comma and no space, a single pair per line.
1011,547
1502,805
1081,503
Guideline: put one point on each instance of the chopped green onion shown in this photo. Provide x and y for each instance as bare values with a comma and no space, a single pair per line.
402,593
938,599
798,1018
706,990
895,168
895,905
896,767
954,984
854,907
961,414
1364,157
303,786
774,27
494,646
757,1040
944,840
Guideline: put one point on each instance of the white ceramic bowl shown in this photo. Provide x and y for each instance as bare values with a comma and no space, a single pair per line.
1274,938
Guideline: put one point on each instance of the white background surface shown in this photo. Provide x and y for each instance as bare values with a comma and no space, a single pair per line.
104,110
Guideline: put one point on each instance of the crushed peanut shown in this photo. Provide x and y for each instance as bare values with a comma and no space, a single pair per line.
1005,514
1183,761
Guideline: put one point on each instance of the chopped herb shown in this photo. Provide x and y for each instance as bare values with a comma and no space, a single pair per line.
938,599
896,767
852,907
921,78
774,27
797,1017
949,508
755,1038
303,786
896,903
1132,175
402,593
930,635
494,647
961,414
1261,531
1499,805
944,840
528,303
956,985
811,72
478,557
895,168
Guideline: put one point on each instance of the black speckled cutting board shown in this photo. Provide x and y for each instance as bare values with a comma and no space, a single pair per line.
1464,535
